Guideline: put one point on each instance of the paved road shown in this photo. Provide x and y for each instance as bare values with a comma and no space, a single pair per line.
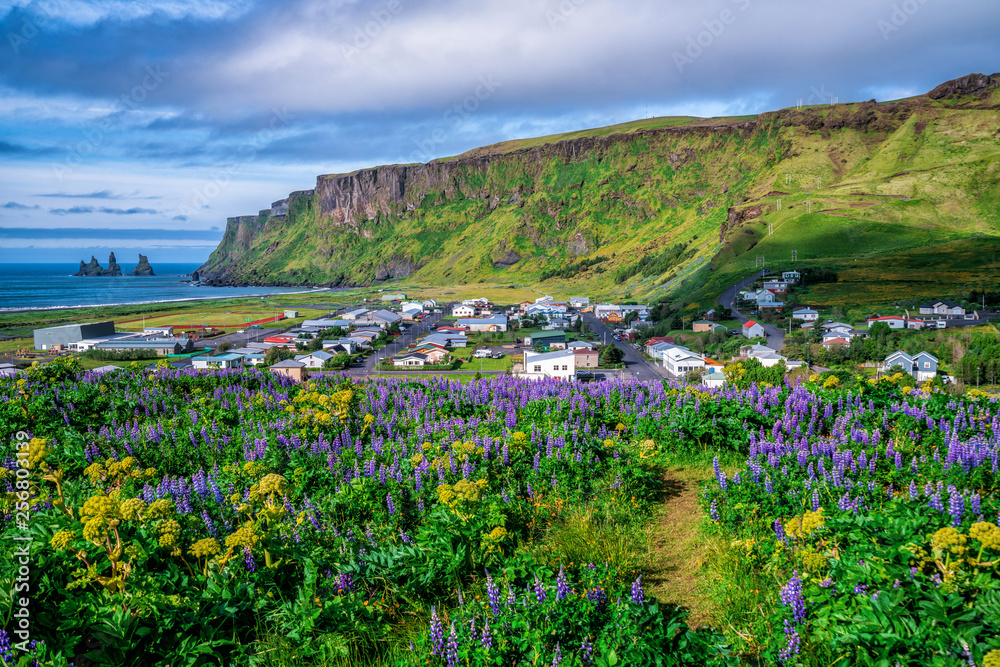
775,335
408,335
635,365
237,339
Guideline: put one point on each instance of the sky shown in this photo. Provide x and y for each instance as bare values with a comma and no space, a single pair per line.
141,125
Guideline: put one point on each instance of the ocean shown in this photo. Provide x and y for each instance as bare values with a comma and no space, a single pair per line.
34,286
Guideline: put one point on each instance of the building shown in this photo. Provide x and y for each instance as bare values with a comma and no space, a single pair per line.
753,329
554,340
941,308
340,345
291,314
896,322
160,346
495,324
410,359
579,301
577,344
382,318
463,311
560,365
805,314
315,359
679,361
68,334
776,286
429,304
791,276
319,325
836,341
229,360
586,357
290,368
158,331
352,315
922,366
701,326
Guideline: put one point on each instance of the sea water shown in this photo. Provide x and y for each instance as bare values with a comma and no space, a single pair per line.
33,286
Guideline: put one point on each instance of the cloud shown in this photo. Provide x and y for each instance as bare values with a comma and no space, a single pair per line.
127,211
97,194
41,235
20,207
76,210
182,218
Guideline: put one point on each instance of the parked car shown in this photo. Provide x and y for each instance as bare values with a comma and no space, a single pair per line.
497,355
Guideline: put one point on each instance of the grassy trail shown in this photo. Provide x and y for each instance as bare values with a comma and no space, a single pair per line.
677,546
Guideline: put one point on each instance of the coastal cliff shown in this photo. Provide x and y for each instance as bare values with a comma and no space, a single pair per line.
591,205
143,268
94,268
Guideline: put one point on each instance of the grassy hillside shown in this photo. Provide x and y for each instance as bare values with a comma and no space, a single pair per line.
902,198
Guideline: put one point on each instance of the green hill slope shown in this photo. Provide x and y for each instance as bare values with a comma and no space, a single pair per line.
669,207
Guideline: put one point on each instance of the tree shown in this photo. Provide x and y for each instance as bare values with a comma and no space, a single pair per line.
610,355
338,361
224,346
276,354
394,327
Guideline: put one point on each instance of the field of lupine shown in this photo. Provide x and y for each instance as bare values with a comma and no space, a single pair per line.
240,518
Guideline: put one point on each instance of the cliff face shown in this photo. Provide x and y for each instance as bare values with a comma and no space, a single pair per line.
524,209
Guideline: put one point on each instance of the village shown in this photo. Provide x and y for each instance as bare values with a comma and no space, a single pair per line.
758,324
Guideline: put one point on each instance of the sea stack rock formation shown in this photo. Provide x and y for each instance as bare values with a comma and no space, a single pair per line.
143,268
94,268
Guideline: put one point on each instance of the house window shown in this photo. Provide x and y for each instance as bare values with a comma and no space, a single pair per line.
927,364
538,368
565,367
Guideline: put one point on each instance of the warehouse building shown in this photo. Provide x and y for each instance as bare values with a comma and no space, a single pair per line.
60,338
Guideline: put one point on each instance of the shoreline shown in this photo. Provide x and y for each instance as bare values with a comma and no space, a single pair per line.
42,309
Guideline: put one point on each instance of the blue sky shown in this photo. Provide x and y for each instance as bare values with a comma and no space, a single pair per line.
141,125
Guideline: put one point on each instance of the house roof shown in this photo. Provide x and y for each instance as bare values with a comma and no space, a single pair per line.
931,304
547,334
702,322
584,350
288,363
805,311
580,344
412,355
678,353
837,341
496,319
548,356
319,354
749,324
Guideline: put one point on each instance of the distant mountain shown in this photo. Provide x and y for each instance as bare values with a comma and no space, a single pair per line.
663,207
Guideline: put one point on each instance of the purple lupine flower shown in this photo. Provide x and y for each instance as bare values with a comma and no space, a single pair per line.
493,592
539,589
437,634
486,637
557,657
779,530
793,642
587,652
913,490
860,589
562,586
791,597
451,648
956,507
768,486
720,476
638,596
815,500
390,504
248,561
713,511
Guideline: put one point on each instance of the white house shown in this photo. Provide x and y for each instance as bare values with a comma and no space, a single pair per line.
941,308
314,359
561,365
577,344
231,360
463,311
429,304
497,323
764,296
897,322
410,359
805,314
679,361
603,310
160,331
791,276
753,329
579,301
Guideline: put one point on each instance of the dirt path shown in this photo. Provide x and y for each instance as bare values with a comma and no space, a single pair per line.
677,547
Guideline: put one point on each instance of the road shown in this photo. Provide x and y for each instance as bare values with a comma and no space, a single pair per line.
635,365
408,335
775,335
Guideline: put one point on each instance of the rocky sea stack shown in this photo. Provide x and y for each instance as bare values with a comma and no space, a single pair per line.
94,268
143,268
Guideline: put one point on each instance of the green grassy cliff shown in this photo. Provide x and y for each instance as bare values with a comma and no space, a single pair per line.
899,196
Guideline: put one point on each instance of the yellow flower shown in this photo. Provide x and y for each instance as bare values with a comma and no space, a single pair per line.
273,483
245,536
805,525
986,533
37,452
132,508
992,659
160,509
62,539
205,548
